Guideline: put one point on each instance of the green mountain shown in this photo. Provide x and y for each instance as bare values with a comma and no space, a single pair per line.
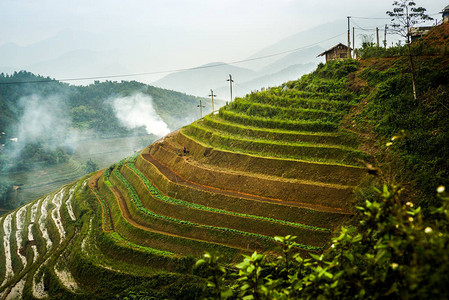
48,125
290,160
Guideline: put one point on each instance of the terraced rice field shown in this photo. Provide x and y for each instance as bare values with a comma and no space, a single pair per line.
271,164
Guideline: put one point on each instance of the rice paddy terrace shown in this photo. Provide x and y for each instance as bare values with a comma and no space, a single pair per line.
271,164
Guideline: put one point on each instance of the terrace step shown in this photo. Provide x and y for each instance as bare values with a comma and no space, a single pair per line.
173,185
280,189
153,200
182,227
297,99
283,168
272,110
294,150
332,138
304,125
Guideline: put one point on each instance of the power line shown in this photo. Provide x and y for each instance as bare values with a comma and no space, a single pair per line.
174,70
370,18
384,18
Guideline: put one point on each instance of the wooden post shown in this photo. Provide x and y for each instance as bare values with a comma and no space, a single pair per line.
377,33
349,38
230,84
201,109
212,95
353,40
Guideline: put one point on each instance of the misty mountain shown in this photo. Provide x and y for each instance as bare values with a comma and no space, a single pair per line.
67,54
91,108
290,73
73,63
305,56
200,81
324,36
48,49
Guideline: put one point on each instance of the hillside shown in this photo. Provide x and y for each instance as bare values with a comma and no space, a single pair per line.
250,172
282,161
57,125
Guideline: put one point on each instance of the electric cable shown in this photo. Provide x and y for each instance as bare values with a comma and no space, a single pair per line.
174,70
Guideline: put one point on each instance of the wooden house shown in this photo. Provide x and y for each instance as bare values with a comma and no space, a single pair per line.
445,13
339,51
418,32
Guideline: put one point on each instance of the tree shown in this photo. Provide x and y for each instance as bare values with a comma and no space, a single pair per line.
91,166
405,14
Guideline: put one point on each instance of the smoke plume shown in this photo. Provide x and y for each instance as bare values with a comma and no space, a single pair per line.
42,119
137,110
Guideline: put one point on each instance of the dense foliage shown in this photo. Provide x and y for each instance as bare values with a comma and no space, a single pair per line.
396,253
87,106
397,247
41,119
421,154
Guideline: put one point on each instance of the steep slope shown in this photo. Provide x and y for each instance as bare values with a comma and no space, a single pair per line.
271,164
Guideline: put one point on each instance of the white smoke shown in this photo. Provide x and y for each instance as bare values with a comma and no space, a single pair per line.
137,110
42,119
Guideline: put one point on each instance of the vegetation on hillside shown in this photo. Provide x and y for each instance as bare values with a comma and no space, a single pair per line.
262,166
397,245
87,106
45,117
396,253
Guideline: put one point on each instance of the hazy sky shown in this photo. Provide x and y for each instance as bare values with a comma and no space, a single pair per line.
182,33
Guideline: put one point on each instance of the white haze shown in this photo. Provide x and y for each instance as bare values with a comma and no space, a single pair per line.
137,110
42,117
45,122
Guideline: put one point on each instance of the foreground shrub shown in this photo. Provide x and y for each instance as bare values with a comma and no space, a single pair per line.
395,253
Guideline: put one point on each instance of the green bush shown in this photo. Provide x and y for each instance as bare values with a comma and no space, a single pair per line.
396,253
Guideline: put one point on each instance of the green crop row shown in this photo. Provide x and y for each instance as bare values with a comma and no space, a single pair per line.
108,170
107,218
296,97
280,135
288,113
304,151
136,201
117,238
132,158
317,125
288,91
158,195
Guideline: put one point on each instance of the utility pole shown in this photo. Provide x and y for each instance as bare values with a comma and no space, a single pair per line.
349,37
230,84
212,95
353,39
377,33
201,109
385,36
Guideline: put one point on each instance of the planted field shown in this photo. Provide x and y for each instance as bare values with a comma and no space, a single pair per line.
275,163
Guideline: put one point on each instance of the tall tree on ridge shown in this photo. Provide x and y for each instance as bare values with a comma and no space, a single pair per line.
405,14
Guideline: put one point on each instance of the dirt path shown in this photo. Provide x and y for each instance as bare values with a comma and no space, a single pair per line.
173,176
93,184
93,181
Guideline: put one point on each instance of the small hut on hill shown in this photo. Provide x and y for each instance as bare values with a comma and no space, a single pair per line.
445,13
339,51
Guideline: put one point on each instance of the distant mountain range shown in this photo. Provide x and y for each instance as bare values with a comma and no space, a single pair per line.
257,73
199,81
82,54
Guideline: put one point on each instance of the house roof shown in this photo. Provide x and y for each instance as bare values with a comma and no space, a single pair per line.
329,50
